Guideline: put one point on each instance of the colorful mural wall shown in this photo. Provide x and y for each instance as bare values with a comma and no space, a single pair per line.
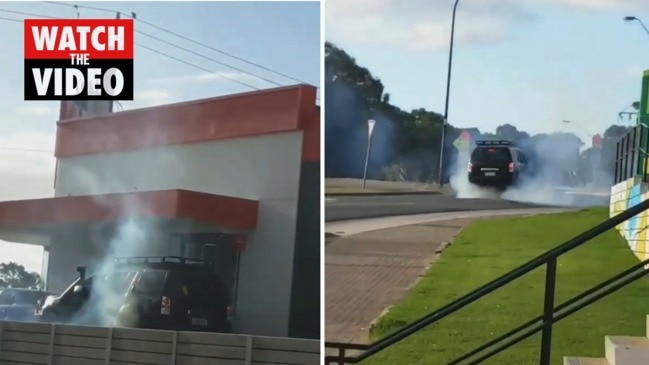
628,193
625,195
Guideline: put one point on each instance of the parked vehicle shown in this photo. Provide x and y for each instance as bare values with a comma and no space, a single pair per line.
19,304
171,293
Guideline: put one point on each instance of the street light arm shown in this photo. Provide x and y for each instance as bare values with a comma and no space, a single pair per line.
643,26
633,18
579,126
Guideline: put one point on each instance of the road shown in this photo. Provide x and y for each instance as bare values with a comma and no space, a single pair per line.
340,208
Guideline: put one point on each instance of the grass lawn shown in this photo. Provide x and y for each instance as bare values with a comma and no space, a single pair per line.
488,249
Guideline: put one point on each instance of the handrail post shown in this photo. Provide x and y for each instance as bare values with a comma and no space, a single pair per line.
548,311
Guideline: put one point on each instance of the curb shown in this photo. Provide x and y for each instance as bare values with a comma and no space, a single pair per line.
385,193
391,214
449,210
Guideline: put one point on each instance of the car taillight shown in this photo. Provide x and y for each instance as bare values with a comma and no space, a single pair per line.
165,305
230,311
511,167
470,167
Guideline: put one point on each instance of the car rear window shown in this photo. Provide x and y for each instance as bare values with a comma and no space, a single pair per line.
151,282
491,154
118,282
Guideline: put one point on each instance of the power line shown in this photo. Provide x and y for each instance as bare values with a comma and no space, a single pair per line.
147,48
28,14
196,66
175,46
184,38
159,53
11,20
225,53
25,150
208,58
163,53
132,15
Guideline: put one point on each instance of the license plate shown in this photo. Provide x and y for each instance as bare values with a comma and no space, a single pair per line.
489,174
199,321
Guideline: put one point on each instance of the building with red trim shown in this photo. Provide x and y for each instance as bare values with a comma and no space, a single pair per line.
234,179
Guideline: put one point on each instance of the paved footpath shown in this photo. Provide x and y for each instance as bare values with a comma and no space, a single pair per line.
367,272
376,261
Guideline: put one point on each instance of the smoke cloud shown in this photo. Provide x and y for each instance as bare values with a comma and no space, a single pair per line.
107,292
346,134
554,178
131,235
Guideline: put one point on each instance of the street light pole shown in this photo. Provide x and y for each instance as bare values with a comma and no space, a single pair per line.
448,91
632,18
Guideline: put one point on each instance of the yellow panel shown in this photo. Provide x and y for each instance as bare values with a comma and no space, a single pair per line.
642,230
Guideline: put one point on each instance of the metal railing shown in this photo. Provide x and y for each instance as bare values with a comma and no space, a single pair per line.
543,323
643,139
631,155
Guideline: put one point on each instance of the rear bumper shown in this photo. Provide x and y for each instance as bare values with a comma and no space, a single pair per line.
500,180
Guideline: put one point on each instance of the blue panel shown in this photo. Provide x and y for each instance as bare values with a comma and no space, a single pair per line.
635,198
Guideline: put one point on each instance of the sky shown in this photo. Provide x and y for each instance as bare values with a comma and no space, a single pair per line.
281,36
530,63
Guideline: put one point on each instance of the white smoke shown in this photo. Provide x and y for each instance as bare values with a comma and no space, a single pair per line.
132,238
555,159
132,234
459,180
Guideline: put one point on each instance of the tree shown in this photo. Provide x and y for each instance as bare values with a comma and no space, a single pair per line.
411,140
353,96
16,276
616,131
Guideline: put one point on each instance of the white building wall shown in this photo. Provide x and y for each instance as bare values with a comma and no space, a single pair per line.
264,168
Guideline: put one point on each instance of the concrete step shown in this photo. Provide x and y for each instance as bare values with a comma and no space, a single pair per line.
627,350
570,360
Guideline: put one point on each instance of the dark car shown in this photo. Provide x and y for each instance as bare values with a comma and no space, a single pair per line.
170,293
18,304
498,164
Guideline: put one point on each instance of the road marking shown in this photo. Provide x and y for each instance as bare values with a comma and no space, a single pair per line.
329,200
